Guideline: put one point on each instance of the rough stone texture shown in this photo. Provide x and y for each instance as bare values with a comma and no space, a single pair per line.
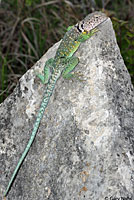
84,149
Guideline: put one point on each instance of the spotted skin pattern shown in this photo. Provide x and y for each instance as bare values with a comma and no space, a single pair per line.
62,64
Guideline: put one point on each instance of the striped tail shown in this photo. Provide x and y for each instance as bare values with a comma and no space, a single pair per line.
48,93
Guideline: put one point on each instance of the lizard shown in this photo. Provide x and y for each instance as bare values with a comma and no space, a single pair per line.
62,64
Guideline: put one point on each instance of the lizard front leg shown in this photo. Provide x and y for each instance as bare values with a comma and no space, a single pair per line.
70,64
48,68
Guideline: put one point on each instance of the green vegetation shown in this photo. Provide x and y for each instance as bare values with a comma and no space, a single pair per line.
30,27
125,38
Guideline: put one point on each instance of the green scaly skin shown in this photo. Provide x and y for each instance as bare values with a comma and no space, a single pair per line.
63,63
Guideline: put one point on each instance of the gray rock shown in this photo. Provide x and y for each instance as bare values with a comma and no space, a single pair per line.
84,149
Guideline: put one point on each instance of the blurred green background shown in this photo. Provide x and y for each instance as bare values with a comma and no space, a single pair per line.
29,27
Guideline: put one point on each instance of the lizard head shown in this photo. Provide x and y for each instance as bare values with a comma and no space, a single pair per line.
91,21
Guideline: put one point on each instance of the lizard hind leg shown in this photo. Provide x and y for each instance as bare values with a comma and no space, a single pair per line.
47,71
70,65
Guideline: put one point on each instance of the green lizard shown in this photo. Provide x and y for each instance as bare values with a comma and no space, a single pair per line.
62,64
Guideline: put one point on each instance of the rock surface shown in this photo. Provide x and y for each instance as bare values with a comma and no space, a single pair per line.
84,149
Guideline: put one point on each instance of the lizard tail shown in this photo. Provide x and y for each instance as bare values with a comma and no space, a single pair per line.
36,126
48,93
